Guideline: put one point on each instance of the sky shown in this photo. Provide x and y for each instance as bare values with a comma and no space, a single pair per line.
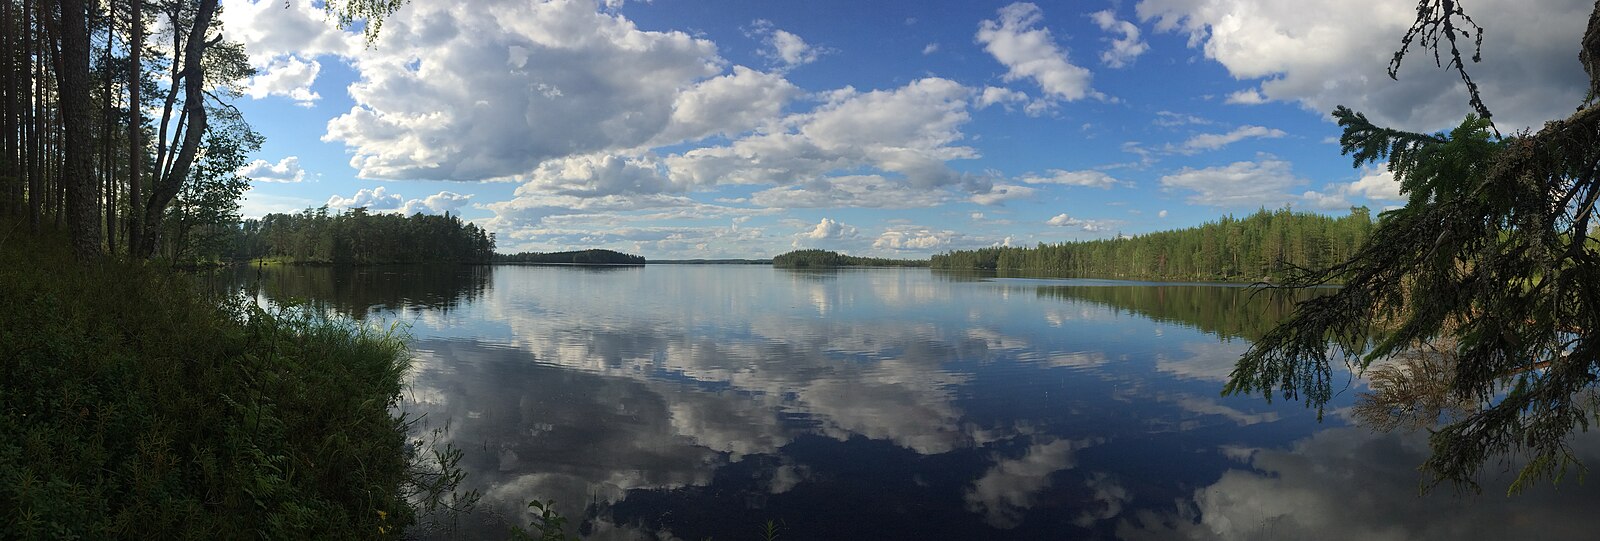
738,128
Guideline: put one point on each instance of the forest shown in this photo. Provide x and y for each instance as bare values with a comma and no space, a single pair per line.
135,404
1264,246
356,237
578,257
800,259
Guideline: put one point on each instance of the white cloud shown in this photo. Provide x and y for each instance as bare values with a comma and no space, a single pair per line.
913,238
272,29
909,131
828,229
1322,53
289,77
492,89
1090,179
1240,184
1171,119
1031,53
377,200
286,170
859,191
1378,183
930,48
1092,226
598,175
728,105
784,48
530,207
992,95
1213,141
1124,49
439,203
1000,193
1248,96
1162,214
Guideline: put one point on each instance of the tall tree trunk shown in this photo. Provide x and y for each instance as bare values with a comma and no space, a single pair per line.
83,220
162,193
135,127
108,123
31,94
8,108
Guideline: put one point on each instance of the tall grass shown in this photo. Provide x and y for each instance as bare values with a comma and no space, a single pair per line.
131,406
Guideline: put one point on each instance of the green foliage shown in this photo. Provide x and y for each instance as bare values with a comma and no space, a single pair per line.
1265,246
580,257
135,408
546,525
1492,260
800,259
359,238
202,222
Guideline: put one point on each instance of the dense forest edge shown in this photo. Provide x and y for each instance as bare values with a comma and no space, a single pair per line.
577,257
1265,246
355,237
800,259
137,406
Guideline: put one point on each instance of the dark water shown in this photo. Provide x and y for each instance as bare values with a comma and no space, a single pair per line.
702,401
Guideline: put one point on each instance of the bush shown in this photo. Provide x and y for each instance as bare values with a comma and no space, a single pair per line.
135,407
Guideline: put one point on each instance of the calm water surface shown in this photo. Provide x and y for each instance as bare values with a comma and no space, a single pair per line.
702,401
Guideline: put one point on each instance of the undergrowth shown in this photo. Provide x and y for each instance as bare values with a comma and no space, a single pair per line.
133,406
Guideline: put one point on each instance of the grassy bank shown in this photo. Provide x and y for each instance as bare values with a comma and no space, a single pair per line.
133,407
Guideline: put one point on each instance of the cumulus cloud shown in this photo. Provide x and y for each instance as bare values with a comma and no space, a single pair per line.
993,95
599,175
1125,43
377,199
784,48
1089,179
439,203
493,89
913,238
909,131
1322,53
930,48
1377,184
1030,52
283,40
1000,193
859,191
829,228
1264,182
286,170
1214,141
1092,226
289,77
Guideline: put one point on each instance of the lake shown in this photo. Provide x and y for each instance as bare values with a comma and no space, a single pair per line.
696,401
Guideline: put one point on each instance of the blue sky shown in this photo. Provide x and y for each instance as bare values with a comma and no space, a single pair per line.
692,128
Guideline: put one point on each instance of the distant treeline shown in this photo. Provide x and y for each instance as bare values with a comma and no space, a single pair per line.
356,237
1262,246
580,257
824,258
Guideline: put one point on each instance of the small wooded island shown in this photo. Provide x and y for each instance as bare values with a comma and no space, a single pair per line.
577,257
800,259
